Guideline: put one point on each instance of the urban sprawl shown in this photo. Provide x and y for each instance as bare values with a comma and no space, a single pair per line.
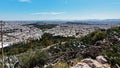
19,32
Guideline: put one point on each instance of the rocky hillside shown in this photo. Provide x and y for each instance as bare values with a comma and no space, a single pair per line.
100,42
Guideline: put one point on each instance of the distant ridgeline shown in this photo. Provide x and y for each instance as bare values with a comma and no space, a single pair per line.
80,23
42,26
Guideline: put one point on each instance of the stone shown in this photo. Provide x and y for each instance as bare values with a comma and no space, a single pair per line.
100,62
92,63
81,65
101,59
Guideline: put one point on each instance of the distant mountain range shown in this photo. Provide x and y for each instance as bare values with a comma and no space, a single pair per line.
106,21
90,21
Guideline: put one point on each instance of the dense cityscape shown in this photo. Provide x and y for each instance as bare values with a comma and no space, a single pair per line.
22,32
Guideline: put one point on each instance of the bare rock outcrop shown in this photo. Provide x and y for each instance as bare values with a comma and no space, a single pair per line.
100,62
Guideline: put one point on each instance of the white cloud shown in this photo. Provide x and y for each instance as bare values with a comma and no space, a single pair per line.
24,0
48,13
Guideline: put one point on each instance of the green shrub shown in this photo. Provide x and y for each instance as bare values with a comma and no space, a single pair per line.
112,53
93,37
37,59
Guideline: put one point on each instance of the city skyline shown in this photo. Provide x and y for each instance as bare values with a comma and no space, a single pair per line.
59,9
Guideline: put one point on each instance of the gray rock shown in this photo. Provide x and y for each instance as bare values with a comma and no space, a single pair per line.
101,59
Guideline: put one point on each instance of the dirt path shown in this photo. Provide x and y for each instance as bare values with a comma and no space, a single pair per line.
51,46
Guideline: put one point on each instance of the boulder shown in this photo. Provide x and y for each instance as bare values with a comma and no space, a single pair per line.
101,59
81,65
100,62
92,63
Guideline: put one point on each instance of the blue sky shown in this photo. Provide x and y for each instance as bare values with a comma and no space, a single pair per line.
59,9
